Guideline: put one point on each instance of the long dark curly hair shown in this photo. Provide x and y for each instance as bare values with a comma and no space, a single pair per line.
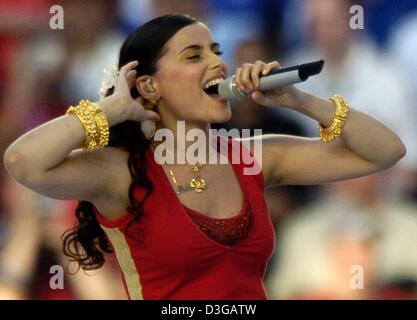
86,243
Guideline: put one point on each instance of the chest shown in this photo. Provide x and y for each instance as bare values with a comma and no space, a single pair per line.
222,197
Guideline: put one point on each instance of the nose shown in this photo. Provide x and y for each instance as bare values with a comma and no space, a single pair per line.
218,63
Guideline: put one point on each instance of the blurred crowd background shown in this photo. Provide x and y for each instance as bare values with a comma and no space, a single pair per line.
328,236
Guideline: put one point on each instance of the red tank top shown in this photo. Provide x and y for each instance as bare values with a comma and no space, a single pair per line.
175,259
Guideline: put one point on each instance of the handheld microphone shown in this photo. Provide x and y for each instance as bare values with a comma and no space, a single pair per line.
228,89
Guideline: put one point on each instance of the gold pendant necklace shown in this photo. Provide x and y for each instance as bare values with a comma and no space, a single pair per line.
198,184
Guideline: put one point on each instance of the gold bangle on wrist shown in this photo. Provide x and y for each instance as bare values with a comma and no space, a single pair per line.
336,128
95,124
103,129
102,124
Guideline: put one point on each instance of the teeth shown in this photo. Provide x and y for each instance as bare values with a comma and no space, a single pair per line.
212,83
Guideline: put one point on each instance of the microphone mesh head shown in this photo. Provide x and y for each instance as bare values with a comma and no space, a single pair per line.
228,90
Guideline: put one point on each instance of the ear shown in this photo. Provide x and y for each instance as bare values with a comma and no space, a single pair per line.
147,88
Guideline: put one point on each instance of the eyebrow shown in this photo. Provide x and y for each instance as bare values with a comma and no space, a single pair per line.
198,47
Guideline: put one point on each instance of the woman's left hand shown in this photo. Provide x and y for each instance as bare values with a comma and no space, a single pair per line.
247,78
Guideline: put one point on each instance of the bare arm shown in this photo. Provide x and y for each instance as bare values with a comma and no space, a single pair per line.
44,158
365,146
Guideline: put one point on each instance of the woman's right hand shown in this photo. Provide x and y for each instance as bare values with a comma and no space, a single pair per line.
120,106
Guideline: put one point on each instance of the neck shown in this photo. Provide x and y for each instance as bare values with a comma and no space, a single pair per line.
249,115
179,136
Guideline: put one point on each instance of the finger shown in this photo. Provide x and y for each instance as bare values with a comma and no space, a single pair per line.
238,78
131,78
148,128
129,66
152,115
140,100
246,80
256,71
122,78
257,96
140,114
270,66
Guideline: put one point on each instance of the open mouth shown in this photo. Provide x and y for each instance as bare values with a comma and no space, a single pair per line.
211,88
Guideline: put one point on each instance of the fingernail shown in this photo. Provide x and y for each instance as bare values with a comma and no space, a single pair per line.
148,128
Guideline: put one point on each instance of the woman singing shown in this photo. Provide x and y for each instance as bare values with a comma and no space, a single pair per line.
185,230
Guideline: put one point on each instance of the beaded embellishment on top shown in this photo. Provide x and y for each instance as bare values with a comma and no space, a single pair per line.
228,231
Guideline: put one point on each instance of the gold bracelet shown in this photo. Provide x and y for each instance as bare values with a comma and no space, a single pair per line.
85,115
102,126
94,122
336,128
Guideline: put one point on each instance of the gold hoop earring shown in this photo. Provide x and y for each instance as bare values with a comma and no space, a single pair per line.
149,105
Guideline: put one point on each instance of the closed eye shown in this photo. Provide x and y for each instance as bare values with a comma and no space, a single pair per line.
196,56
